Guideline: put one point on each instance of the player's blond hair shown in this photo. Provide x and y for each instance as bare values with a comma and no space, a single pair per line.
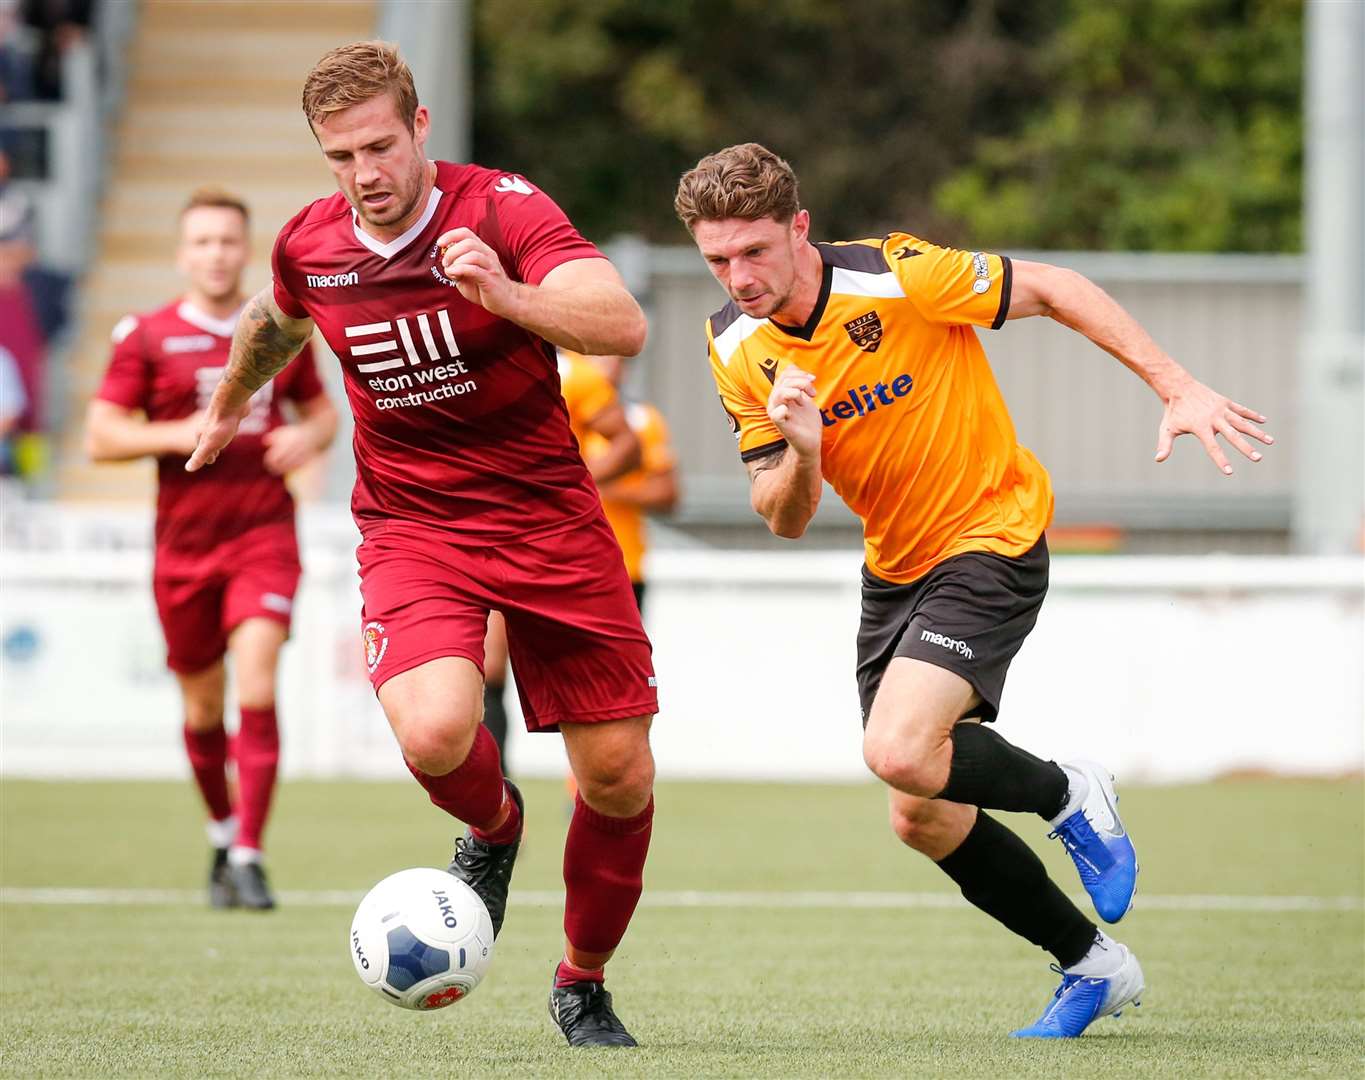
215,196
353,74
747,181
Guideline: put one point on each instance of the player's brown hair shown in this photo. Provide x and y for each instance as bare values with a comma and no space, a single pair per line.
355,73
747,181
212,196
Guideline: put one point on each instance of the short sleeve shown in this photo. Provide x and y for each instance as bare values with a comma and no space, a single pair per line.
950,286
750,423
301,380
535,231
285,300
127,380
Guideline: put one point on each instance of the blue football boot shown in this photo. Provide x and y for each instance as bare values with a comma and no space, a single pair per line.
1082,999
1099,845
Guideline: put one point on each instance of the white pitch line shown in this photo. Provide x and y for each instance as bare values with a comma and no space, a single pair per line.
867,901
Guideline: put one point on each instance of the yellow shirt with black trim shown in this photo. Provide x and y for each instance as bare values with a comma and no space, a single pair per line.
627,521
586,392
916,437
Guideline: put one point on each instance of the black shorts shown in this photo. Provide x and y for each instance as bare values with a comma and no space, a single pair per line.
969,614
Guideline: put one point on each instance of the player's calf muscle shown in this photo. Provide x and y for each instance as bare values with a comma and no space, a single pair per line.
929,826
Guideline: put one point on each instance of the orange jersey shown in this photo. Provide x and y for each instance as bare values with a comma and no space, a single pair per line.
656,456
916,437
586,392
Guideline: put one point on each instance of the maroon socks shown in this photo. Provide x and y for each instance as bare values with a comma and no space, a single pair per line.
604,862
474,792
208,755
257,749
566,975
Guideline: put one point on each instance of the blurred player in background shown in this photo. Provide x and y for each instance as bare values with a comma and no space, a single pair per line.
651,488
595,414
444,289
857,363
227,561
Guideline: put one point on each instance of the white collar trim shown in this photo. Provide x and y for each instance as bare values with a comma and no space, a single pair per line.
398,243
204,321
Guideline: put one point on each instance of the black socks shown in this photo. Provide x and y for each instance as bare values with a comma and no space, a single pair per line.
1001,875
987,771
495,718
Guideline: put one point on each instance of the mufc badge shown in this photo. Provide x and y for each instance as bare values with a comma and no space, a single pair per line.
376,644
865,331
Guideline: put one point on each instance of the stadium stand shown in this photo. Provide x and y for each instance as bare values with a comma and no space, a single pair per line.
211,98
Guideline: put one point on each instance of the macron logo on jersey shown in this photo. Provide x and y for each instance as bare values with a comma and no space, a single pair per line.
512,183
332,281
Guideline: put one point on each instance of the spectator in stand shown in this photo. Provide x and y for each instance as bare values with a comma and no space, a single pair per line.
16,60
59,25
33,306
13,405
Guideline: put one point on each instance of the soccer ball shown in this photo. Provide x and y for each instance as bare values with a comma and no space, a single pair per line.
422,939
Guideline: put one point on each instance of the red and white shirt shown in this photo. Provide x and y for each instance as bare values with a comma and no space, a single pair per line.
167,363
459,421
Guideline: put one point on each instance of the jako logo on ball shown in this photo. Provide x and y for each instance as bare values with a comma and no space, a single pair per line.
421,939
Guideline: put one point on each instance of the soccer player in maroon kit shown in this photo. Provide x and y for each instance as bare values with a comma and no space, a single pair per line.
444,290
227,561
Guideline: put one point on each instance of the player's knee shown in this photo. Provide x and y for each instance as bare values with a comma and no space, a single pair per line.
256,689
203,714
619,788
906,764
436,745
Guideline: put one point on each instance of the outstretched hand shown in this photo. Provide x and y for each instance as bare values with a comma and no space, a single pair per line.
1198,410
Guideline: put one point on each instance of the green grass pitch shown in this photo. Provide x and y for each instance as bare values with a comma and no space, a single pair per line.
751,989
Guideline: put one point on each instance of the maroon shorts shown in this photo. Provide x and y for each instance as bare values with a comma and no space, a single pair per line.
198,613
574,636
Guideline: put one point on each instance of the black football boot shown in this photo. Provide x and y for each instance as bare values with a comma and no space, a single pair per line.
487,868
583,1012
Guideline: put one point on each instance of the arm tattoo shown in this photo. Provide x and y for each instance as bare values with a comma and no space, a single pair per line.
261,348
770,460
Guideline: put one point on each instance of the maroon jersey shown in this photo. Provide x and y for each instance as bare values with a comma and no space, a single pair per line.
459,422
167,364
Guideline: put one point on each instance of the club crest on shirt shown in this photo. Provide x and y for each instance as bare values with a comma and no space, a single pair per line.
376,644
865,331
437,270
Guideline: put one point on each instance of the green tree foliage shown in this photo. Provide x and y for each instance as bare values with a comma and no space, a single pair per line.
606,102
1169,125
1138,124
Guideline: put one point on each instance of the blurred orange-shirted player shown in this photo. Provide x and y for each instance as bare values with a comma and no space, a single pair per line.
595,413
652,488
